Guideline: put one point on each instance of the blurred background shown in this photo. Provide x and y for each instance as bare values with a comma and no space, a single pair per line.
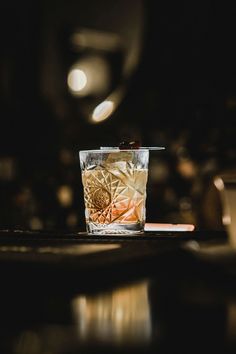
79,74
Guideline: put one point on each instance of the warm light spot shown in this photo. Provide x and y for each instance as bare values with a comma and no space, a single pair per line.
36,223
121,315
89,76
7,168
65,196
77,80
66,157
103,111
187,168
218,182
72,219
226,220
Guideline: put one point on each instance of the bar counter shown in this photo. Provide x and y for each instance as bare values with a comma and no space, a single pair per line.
163,292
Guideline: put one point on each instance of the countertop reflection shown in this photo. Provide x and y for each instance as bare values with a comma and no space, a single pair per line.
159,299
118,316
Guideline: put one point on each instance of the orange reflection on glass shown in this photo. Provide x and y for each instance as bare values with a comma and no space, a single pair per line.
121,315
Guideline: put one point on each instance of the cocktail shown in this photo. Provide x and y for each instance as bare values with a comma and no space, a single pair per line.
114,184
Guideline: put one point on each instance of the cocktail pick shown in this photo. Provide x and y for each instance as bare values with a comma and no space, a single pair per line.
139,148
152,147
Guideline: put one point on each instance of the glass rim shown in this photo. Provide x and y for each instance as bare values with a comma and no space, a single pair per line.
113,150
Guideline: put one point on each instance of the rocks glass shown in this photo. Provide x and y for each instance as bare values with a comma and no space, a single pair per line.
114,184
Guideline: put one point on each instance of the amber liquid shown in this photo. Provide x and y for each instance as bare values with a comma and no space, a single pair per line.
115,196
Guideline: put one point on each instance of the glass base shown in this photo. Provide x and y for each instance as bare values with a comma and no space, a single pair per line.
115,228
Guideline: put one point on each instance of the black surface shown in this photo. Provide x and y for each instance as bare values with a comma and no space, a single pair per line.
78,251
152,294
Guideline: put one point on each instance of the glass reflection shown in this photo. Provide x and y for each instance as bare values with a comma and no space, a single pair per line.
118,316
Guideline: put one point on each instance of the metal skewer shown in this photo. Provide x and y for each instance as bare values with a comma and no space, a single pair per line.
152,147
140,148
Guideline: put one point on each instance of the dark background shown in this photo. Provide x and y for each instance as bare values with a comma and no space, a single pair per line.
182,95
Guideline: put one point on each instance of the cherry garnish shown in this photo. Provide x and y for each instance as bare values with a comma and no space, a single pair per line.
129,145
